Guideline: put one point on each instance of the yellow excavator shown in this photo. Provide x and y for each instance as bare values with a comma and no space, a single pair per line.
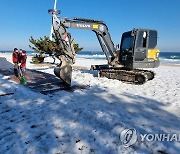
136,51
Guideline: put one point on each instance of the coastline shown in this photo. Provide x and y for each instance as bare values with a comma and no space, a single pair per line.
170,65
80,61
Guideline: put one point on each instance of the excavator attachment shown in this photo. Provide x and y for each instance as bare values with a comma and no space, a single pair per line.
64,73
67,54
64,70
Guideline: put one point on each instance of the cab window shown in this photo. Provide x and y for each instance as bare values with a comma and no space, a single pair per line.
127,43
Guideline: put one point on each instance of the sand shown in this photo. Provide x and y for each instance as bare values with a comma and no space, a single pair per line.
90,120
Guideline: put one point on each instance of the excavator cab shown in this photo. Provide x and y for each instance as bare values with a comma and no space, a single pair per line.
137,49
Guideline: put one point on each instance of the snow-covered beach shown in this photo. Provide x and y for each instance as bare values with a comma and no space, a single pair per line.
90,120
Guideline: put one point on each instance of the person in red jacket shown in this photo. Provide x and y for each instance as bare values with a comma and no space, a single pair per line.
15,58
23,61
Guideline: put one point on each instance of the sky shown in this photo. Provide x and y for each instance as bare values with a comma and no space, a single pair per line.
20,19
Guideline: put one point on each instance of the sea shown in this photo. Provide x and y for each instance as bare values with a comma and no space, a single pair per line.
165,57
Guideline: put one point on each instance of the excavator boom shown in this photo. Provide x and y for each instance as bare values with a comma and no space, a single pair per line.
99,27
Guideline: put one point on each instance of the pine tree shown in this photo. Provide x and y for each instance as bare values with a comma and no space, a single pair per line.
43,45
47,46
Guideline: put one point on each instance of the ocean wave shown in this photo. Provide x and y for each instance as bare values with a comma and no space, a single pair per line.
165,58
175,57
93,56
169,61
171,57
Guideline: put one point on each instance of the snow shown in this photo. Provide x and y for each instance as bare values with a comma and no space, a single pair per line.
89,120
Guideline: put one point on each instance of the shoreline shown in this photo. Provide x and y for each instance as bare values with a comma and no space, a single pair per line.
170,65
80,62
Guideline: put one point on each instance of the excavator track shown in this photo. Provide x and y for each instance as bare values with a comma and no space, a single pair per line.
136,76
